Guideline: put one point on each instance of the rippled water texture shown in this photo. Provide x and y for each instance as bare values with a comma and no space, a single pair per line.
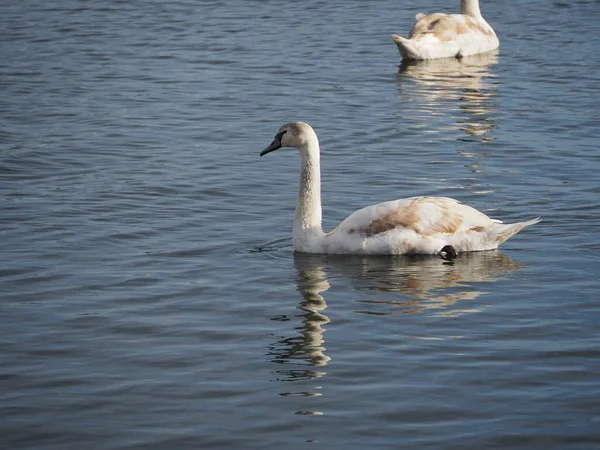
150,297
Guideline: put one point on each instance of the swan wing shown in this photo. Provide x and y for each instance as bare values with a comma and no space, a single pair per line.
425,216
449,27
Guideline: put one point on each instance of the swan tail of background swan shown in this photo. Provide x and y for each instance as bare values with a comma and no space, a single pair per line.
504,232
406,47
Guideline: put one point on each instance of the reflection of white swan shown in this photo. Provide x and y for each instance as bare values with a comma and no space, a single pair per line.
311,282
307,348
403,284
448,35
452,86
408,285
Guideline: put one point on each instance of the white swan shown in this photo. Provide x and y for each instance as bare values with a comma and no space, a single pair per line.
448,35
430,225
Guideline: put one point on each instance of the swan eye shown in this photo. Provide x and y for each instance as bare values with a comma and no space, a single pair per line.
280,135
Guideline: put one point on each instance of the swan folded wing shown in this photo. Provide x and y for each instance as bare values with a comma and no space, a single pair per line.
425,24
448,27
426,216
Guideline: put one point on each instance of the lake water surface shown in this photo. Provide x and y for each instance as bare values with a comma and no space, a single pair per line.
149,294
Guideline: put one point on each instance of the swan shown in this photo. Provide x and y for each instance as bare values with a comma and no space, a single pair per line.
426,225
448,35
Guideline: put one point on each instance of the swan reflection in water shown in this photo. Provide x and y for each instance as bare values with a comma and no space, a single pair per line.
428,284
384,286
307,348
451,85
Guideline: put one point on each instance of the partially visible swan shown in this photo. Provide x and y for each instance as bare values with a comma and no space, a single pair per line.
448,35
411,225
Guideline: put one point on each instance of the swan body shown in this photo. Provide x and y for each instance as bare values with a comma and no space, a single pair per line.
448,35
416,225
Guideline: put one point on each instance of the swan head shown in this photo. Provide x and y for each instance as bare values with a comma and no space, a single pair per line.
294,134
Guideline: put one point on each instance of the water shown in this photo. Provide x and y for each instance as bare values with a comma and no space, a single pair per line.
150,295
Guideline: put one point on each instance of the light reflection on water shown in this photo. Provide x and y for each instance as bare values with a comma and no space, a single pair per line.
463,86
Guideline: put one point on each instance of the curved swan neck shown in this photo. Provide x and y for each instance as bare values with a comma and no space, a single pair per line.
307,220
470,8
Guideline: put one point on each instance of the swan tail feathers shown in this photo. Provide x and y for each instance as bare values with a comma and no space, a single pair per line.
406,47
502,232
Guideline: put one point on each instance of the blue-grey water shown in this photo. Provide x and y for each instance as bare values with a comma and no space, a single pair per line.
149,294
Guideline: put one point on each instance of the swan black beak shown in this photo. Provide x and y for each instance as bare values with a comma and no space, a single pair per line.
276,144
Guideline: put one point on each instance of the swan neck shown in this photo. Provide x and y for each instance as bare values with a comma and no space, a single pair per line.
470,8
307,220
